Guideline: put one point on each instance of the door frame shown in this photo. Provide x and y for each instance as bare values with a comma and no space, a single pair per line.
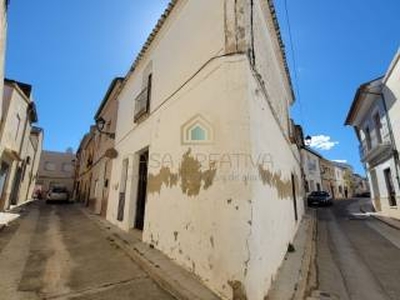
141,189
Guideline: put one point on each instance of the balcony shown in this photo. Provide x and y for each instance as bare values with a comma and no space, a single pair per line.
376,152
142,106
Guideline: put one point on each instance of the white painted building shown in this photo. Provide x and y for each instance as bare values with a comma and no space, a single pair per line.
31,151
312,170
343,178
56,169
375,114
16,157
206,168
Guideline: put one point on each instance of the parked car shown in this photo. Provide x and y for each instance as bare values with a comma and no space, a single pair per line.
58,194
319,199
364,195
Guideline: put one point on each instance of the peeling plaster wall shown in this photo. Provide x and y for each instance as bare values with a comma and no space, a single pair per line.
269,61
16,105
206,231
211,207
272,204
392,96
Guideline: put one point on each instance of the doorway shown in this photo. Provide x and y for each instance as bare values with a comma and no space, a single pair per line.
142,190
4,171
390,187
122,191
296,216
16,185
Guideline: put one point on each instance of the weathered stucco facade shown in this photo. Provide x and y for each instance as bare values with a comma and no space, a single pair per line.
83,167
205,166
375,114
56,169
99,172
312,170
17,157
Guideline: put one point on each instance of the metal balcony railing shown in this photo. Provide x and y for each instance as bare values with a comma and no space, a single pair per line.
142,102
376,148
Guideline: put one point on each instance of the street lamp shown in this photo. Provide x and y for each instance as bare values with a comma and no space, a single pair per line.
100,124
308,140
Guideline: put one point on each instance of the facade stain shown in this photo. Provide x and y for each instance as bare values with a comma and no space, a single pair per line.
212,241
239,292
275,180
165,176
176,234
192,179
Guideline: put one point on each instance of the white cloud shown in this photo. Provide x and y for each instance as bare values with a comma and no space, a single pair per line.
342,161
323,142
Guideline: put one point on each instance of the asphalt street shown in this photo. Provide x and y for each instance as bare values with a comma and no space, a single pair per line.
57,252
358,257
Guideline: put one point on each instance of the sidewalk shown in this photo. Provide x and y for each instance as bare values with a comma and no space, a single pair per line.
297,276
394,223
387,220
180,283
12,213
6,218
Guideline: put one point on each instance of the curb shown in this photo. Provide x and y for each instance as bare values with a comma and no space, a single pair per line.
172,278
308,273
386,220
296,277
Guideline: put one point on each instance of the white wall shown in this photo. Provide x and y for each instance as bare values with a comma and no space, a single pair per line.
17,106
58,176
392,96
13,133
312,170
272,204
224,232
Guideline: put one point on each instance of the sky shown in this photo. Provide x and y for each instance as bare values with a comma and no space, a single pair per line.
71,50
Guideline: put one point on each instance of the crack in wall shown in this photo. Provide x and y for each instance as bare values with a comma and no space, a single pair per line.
250,223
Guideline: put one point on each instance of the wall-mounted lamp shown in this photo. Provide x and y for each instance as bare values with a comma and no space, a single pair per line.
308,140
100,124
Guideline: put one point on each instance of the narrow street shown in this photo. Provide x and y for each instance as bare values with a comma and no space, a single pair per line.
357,256
56,252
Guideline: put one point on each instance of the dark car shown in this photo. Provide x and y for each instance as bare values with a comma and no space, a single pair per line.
319,199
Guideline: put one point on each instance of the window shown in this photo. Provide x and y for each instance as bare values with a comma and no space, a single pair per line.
368,138
378,126
142,101
17,127
49,166
67,167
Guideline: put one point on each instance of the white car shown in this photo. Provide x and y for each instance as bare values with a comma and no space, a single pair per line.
58,194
